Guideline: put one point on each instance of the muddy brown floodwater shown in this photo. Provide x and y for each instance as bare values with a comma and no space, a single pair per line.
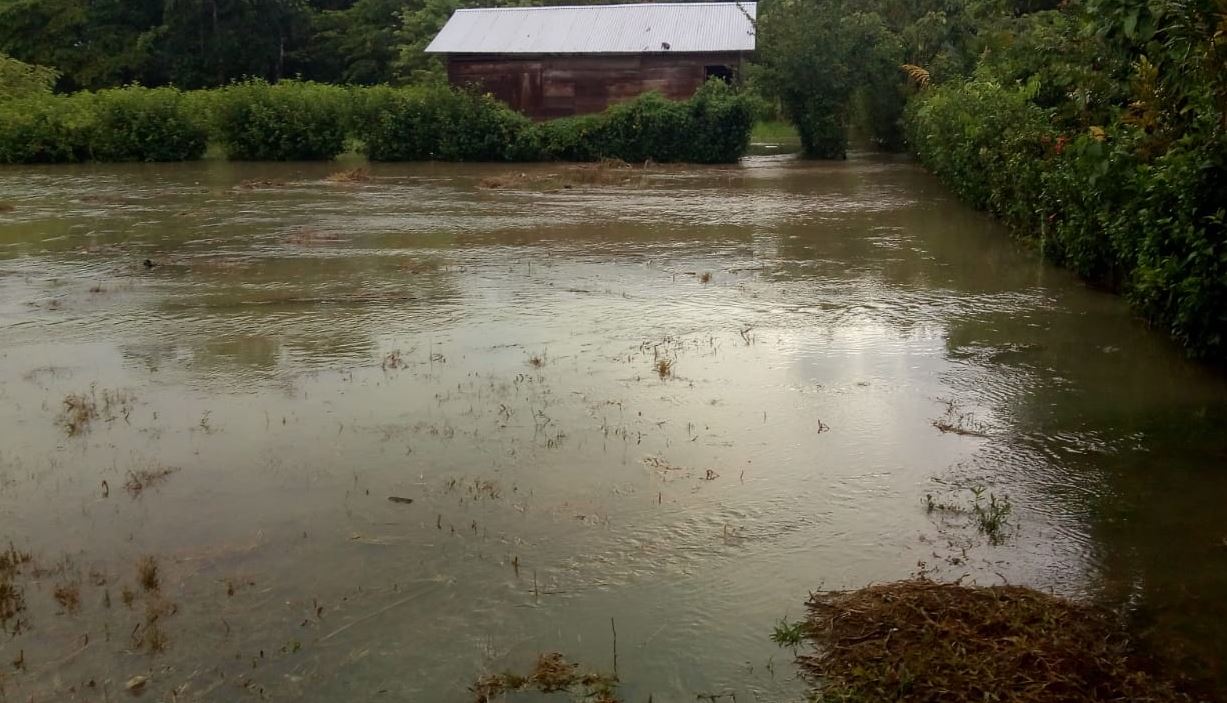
377,438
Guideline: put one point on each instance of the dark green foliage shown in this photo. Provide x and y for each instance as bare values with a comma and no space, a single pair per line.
145,124
125,124
1100,130
354,44
45,129
712,127
20,80
816,56
288,121
1155,229
574,138
438,123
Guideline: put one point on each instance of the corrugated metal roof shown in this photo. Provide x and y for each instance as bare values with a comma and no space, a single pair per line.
588,29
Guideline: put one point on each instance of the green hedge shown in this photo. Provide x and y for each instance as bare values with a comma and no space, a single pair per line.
712,127
294,120
125,124
145,124
1154,228
45,129
288,121
438,123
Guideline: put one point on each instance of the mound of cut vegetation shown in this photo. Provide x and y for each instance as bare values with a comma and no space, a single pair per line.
921,641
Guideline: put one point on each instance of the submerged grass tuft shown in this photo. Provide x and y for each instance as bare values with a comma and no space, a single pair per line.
991,516
926,641
552,674
352,175
12,593
140,479
82,409
68,596
147,574
664,367
788,634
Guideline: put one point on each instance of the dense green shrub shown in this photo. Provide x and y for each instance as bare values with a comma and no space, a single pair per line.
438,123
712,127
123,124
21,80
1154,228
573,138
288,121
145,124
45,129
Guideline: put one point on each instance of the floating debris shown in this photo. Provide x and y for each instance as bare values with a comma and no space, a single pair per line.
602,173
352,175
136,684
140,479
961,423
552,674
309,236
258,184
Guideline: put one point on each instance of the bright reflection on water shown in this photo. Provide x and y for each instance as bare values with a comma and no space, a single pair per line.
303,350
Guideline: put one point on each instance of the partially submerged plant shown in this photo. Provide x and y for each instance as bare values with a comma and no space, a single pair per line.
81,409
961,423
147,574
140,479
788,634
352,175
68,595
552,674
664,367
992,516
12,593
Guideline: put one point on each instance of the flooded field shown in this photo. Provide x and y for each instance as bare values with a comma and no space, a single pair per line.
269,435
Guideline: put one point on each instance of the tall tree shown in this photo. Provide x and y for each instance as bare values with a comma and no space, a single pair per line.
19,80
814,56
352,43
93,43
210,42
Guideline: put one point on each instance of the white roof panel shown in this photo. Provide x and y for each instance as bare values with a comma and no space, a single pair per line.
599,29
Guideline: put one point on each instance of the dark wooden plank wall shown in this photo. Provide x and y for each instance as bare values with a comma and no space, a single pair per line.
544,87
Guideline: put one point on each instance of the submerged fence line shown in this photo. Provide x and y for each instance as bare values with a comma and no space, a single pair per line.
298,120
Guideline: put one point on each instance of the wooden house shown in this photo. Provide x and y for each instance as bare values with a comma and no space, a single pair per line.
551,62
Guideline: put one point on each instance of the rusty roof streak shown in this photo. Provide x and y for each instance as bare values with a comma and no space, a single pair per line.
599,29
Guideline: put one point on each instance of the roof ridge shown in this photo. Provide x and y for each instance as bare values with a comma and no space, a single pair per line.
607,6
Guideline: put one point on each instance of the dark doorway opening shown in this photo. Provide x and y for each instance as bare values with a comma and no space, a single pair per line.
724,73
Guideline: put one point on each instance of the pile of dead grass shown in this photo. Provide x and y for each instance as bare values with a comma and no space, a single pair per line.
924,641
552,674
352,175
608,172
